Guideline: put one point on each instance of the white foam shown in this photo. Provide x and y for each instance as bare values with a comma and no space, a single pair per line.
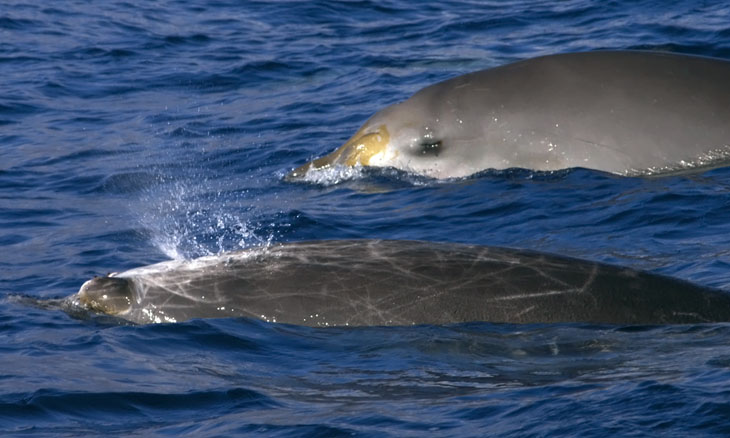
706,160
332,175
194,265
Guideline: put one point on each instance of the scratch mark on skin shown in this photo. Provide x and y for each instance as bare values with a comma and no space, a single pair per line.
535,295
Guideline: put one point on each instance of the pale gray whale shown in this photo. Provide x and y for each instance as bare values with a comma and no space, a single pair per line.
382,282
624,112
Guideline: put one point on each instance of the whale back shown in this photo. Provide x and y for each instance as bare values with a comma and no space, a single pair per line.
374,282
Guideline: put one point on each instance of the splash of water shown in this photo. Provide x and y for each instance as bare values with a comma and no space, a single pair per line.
332,175
187,221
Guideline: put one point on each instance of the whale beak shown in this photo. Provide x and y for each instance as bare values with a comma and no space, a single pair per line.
357,150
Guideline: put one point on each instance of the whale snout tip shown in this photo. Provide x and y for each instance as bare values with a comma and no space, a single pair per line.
296,174
356,151
332,159
110,295
299,173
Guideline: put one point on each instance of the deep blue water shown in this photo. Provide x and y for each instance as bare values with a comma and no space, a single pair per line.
133,132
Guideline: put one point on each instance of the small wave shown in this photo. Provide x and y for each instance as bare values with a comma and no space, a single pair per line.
333,175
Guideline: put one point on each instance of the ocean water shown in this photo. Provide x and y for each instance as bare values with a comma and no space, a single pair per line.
133,132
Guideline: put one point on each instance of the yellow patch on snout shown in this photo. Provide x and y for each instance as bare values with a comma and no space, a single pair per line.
360,149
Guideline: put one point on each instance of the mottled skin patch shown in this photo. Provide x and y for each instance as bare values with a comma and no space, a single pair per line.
110,295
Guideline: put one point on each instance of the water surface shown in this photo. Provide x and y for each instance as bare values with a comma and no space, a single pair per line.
133,133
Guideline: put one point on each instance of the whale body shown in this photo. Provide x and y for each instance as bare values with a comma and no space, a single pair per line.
383,282
624,112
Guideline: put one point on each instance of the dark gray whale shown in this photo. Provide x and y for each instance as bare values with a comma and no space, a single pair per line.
624,112
381,282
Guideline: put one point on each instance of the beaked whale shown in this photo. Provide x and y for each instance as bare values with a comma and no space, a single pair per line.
389,282
623,112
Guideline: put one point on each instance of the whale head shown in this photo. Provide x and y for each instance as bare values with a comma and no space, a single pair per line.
110,295
428,134
417,135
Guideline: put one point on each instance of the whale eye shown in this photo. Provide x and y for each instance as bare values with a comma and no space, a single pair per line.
430,147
